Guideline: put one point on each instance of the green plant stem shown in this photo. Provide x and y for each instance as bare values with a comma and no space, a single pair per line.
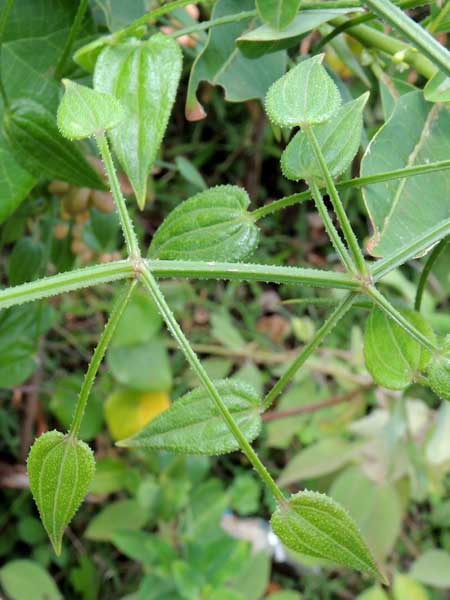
287,201
443,14
365,18
415,248
320,334
193,360
372,38
331,229
419,36
125,221
348,232
97,357
235,18
435,254
252,272
382,302
65,282
74,31
149,16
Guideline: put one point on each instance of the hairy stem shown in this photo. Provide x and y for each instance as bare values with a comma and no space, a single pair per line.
382,302
65,282
435,254
331,229
419,36
98,355
372,38
349,234
74,31
320,334
125,221
416,247
251,272
193,360
287,201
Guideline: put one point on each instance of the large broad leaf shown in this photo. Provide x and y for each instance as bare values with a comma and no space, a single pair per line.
15,182
403,209
30,18
25,579
393,357
432,568
123,515
212,225
194,425
322,458
375,507
60,469
316,525
265,39
144,77
221,63
277,13
339,139
306,95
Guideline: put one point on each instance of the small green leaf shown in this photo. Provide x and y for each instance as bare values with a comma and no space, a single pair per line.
432,568
83,112
339,139
438,372
438,88
60,470
144,77
38,146
122,515
212,225
315,525
306,95
277,13
25,579
193,424
393,357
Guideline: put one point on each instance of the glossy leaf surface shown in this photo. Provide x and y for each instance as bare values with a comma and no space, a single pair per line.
315,525
84,112
393,357
306,95
38,146
60,470
193,424
144,77
221,63
212,225
339,139
403,209
277,13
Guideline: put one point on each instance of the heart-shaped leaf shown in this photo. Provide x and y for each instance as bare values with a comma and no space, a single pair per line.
194,425
60,469
84,112
403,209
144,77
277,13
212,225
339,139
38,146
393,357
316,525
306,95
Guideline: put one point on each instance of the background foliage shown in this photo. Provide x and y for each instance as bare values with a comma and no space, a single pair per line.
159,526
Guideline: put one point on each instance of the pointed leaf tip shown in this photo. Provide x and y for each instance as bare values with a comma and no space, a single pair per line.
60,469
305,95
315,525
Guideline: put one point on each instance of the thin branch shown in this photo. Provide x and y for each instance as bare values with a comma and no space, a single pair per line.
315,406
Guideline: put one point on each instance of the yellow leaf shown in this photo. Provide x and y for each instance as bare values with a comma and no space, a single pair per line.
127,411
